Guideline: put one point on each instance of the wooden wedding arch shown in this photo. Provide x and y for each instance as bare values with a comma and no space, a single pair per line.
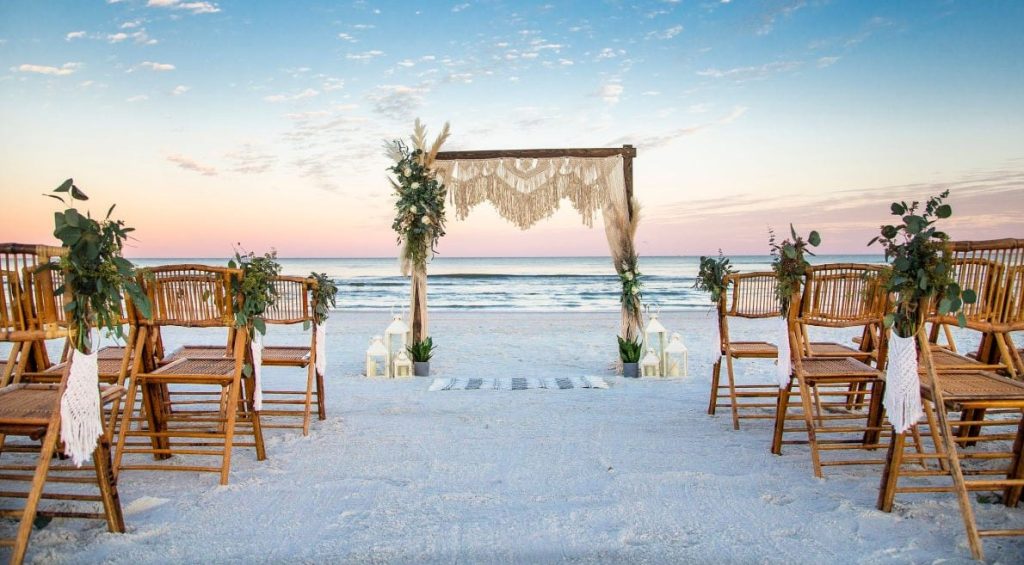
528,185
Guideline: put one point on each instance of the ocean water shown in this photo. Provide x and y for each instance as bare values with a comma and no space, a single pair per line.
515,283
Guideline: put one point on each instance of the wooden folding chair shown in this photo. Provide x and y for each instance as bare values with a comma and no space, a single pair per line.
191,296
751,296
842,295
990,268
28,351
974,394
294,305
33,411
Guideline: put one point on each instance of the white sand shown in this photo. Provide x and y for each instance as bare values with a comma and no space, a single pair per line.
638,473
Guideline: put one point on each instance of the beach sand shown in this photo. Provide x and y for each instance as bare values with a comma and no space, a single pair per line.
637,473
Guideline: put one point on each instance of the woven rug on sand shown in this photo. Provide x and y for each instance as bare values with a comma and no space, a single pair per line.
518,383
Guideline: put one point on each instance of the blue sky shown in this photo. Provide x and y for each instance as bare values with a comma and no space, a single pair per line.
261,122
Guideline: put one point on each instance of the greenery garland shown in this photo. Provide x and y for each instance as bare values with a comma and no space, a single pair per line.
790,264
922,265
256,288
711,275
324,297
95,273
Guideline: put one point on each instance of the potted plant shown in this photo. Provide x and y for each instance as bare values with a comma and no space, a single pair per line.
421,352
789,263
257,292
921,278
630,352
95,277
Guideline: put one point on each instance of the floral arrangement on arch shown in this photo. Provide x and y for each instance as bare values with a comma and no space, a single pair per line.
632,292
419,210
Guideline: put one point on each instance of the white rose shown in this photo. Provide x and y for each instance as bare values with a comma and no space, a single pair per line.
628,275
407,171
412,209
414,185
636,290
425,220
625,266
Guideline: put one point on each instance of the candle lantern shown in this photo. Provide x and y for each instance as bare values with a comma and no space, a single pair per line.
402,365
650,365
676,357
376,358
395,341
656,337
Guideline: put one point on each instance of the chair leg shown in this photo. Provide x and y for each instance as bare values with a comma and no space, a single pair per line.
35,493
808,409
321,402
1011,496
733,400
108,486
307,407
891,472
229,429
716,372
875,412
1005,356
257,431
126,424
781,408
12,360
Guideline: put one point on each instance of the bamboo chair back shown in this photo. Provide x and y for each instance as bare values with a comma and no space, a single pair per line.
990,269
750,295
293,304
18,320
1014,313
841,295
189,296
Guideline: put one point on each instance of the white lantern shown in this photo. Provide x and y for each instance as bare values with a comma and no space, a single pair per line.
650,365
395,341
676,357
403,365
655,338
376,358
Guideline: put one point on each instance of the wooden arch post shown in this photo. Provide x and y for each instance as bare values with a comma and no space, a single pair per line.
418,323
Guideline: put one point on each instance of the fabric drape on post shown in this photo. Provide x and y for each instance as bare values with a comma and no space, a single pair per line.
528,190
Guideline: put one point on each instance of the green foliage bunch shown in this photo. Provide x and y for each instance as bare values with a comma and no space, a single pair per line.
324,296
421,351
419,211
95,273
789,262
632,286
921,265
711,275
630,351
256,287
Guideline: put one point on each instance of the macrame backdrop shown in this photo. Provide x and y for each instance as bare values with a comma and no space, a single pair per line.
527,190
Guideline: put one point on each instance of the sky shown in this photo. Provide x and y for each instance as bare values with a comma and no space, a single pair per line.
218,123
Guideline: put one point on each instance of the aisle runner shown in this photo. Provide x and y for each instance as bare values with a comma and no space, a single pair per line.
518,383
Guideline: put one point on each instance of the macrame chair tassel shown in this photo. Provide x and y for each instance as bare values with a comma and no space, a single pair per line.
902,398
80,419
783,363
256,347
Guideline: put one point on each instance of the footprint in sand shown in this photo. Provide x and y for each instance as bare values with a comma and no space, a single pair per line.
143,504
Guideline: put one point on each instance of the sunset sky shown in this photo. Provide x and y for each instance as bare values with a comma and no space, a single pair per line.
211,123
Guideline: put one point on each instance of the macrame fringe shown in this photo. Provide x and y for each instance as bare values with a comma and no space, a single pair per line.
783,363
80,418
902,398
321,348
256,347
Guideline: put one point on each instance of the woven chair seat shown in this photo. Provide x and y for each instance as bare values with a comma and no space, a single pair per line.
286,355
837,368
831,349
27,404
978,387
946,360
197,352
219,368
110,352
108,368
752,349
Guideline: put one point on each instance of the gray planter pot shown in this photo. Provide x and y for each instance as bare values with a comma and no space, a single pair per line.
421,368
631,370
